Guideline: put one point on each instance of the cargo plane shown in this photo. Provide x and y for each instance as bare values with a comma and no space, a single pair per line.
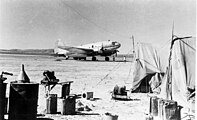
105,48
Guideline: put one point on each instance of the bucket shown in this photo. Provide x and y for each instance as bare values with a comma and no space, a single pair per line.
109,116
68,105
89,95
23,100
2,99
65,90
51,103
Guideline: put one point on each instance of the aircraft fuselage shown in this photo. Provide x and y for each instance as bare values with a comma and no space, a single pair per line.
105,48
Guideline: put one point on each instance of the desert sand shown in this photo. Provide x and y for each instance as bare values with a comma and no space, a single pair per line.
98,77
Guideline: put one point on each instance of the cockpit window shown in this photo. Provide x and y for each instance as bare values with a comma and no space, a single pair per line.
113,43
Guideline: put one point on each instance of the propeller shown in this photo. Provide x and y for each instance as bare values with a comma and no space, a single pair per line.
116,53
102,48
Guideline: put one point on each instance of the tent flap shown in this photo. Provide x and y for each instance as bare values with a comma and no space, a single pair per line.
147,64
180,80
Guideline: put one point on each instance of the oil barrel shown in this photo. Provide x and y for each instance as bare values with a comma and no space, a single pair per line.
23,101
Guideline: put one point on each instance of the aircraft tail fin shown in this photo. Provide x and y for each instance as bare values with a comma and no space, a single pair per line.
58,43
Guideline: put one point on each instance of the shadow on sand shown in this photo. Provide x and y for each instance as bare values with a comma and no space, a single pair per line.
44,119
95,99
82,113
125,99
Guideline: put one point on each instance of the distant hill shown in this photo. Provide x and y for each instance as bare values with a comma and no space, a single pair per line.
41,52
28,51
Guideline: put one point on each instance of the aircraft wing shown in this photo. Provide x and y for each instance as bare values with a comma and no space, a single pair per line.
77,51
77,55
75,48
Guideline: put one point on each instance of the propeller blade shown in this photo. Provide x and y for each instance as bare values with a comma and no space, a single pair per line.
102,47
116,53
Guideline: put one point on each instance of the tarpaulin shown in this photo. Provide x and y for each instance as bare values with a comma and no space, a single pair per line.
147,63
179,82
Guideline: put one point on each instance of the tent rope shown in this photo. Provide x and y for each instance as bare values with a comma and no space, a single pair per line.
128,74
149,64
110,71
188,45
93,23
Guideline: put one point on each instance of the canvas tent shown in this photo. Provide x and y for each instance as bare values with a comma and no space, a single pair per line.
179,82
148,70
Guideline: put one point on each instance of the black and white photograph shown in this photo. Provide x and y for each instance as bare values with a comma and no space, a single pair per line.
97,59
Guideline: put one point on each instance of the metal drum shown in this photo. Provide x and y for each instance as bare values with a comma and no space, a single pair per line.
23,100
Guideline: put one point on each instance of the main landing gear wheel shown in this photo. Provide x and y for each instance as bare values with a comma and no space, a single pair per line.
82,58
106,58
93,58
75,58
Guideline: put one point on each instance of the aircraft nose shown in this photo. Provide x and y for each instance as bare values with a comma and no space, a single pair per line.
118,44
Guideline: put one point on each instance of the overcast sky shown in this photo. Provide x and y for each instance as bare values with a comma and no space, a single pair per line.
32,24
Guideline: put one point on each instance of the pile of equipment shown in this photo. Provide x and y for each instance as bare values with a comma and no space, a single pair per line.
49,77
120,93
67,100
23,98
164,109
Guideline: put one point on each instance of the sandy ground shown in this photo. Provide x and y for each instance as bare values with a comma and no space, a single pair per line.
98,77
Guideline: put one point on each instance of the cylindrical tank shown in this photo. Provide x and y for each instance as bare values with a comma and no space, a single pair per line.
23,100
2,99
51,104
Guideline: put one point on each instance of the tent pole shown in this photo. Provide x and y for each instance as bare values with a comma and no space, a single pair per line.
133,45
169,65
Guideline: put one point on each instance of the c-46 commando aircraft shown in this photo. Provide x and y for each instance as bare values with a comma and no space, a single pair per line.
105,48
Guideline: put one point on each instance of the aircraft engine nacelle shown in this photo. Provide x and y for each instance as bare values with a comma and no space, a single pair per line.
100,51
107,52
